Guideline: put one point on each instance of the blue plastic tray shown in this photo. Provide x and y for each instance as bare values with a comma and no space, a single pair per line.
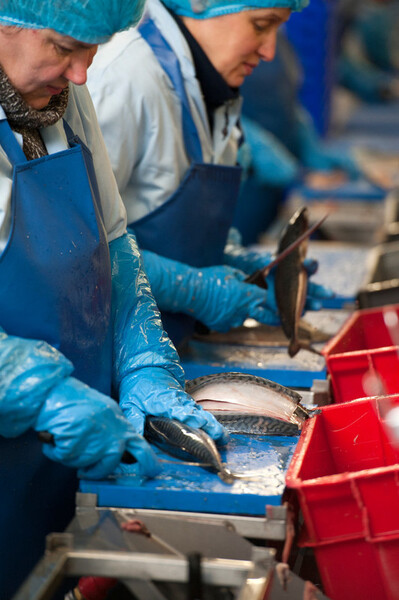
186,487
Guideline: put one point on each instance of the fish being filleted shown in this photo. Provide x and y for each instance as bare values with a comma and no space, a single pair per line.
249,395
290,282
187,443
253,333
255,424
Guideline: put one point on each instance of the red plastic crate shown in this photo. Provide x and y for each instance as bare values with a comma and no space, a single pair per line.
345,473
363,358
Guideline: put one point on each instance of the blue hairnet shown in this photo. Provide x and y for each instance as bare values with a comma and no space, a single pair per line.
89,21
204,9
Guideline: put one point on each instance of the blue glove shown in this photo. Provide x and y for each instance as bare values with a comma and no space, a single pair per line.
366,81
147,373
314,155
89,430
216,296
265,157
250,261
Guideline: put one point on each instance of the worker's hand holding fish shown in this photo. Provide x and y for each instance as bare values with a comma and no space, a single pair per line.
90,432
148,377
87,428
158,394
215,296
250,261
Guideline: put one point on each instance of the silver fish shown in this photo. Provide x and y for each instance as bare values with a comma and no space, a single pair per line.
291,282
247,394
252,333
185,442
255,424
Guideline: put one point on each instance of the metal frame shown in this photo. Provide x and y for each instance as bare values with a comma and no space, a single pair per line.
98,543
270,527
137,571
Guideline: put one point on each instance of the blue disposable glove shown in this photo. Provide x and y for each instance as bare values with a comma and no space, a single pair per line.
90,432
263,155
148,376
314,155
88,428
366,81
250,261
216,296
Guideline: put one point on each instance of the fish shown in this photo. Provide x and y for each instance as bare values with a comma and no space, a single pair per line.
253,333
245,394
290,282
185,442
255,424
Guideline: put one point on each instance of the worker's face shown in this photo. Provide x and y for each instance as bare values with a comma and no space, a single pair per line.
41,62
235,43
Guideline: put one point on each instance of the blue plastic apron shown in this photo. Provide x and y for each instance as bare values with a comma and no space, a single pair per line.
192,225
55,285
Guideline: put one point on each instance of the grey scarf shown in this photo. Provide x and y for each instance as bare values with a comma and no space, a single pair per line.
26,120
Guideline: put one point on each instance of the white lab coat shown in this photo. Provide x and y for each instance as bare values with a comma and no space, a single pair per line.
82,119
140,116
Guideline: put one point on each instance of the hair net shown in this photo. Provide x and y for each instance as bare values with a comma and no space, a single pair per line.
204,9
90,21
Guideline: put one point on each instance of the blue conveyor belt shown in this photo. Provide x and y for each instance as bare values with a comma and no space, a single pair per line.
382,119
274,363
186,487
342,267
365,139
359,189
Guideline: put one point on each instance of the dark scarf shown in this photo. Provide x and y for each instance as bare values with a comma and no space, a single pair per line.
26,120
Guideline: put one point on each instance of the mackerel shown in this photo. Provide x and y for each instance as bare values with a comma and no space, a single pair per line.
248,394
255,424
185,442
291,282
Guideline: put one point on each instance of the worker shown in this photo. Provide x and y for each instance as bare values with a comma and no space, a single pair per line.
282,147
64,252
167,99
369,52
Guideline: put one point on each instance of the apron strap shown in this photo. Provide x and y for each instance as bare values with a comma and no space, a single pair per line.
13,149
10,144
170,64
68,131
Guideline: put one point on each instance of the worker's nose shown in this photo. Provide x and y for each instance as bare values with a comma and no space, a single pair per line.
267,50
80,61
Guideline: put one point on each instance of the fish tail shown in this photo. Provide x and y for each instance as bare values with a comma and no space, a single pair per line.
226,476
311,349
296,345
